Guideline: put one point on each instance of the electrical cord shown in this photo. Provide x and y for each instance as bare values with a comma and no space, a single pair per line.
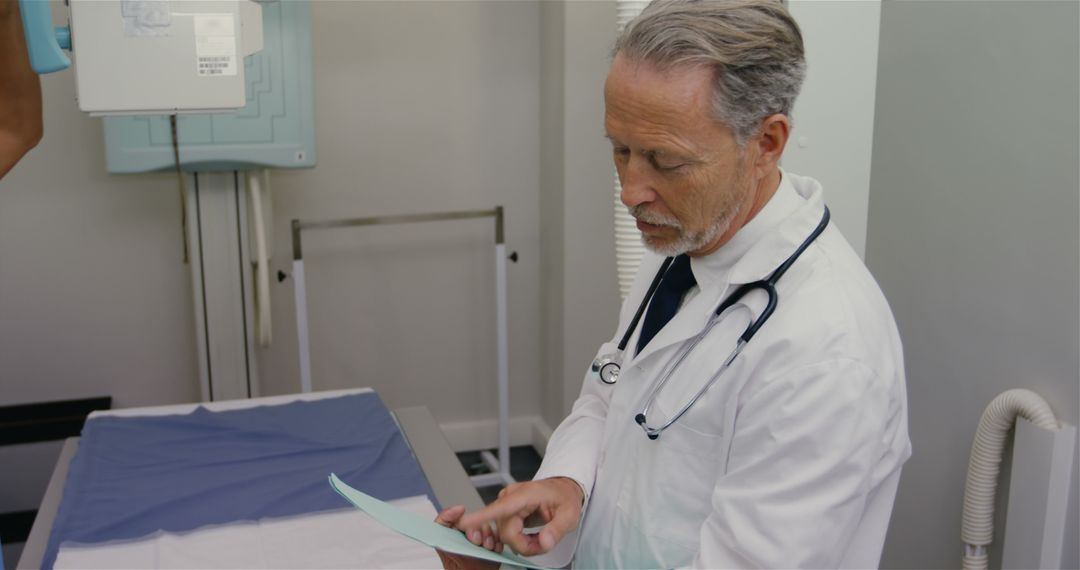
183,186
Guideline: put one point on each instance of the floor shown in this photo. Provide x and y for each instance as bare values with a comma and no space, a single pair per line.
10,554
524,462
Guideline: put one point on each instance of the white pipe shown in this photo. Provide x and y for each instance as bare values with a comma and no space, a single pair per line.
504,362
628,247
302,325
262,265
977,530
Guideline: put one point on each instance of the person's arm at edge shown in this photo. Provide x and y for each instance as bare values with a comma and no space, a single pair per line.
20,91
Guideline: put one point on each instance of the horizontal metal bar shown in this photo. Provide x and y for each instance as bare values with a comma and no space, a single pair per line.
402,219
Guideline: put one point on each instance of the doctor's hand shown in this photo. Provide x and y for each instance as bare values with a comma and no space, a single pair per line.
556,502
449,518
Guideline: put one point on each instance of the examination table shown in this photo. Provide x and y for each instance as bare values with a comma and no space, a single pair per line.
170,507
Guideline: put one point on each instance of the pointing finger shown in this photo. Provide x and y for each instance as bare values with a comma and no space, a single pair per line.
508,506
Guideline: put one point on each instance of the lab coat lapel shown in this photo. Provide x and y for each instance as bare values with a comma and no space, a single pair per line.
689,321
760,260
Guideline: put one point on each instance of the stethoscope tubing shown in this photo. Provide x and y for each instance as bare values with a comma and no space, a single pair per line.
648,297
768,285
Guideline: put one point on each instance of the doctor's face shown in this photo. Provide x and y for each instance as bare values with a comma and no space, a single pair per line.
683,176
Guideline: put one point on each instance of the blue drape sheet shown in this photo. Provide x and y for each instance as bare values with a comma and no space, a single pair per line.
134,476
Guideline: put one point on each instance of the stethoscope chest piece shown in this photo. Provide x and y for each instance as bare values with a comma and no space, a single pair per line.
606,368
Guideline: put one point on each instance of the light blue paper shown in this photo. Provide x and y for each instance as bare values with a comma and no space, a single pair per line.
422,530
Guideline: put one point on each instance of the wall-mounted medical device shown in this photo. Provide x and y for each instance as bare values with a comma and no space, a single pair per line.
275,128
149,56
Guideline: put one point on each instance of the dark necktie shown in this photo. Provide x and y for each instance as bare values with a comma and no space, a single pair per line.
665,302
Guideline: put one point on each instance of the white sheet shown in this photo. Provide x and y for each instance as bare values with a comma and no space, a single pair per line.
224,405
338,539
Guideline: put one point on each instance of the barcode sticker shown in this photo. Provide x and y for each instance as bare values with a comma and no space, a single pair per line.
215,45
216,65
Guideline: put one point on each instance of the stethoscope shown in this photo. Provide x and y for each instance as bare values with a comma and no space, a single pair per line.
607,367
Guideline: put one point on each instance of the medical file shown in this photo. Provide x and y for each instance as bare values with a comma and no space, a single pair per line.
422,530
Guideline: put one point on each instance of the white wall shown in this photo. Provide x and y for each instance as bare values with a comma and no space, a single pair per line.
834,115
974,236
580,283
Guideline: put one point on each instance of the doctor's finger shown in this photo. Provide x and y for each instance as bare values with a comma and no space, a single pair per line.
525,544
482,535
562,522
511,505
450,516
511,531
487,536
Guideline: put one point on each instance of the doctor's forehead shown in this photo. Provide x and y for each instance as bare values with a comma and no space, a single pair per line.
645,104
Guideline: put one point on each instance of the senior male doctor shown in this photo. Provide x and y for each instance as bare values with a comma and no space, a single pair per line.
788,456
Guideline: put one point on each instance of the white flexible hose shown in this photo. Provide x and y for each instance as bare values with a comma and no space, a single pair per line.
262,265
977,530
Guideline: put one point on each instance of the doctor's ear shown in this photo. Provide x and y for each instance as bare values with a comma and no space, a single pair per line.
769,142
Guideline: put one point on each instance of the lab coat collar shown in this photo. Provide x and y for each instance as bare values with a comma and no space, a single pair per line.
756,251
716,268
775,247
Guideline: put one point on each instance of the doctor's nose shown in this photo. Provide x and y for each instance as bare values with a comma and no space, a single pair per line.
636,186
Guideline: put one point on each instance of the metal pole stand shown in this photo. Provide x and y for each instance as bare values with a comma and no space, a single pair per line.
500,466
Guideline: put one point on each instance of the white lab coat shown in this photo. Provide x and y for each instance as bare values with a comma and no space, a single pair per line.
792,458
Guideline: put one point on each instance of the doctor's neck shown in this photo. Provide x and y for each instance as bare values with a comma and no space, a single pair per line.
757,196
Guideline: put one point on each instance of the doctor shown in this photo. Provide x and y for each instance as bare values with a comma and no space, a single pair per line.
785,453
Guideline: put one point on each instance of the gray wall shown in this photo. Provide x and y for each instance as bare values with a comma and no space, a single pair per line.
420,106
552,202
973,234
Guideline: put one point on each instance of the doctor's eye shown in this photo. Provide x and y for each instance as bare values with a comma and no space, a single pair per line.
666,165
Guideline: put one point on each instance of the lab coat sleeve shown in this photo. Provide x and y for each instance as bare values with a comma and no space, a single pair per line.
805,453
573,451
574,448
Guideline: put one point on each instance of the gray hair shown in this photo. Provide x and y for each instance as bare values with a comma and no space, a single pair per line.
754,47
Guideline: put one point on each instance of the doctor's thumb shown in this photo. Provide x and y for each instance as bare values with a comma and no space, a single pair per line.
562,523
548,539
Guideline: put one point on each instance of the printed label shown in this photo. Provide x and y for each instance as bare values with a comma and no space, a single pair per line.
215,45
